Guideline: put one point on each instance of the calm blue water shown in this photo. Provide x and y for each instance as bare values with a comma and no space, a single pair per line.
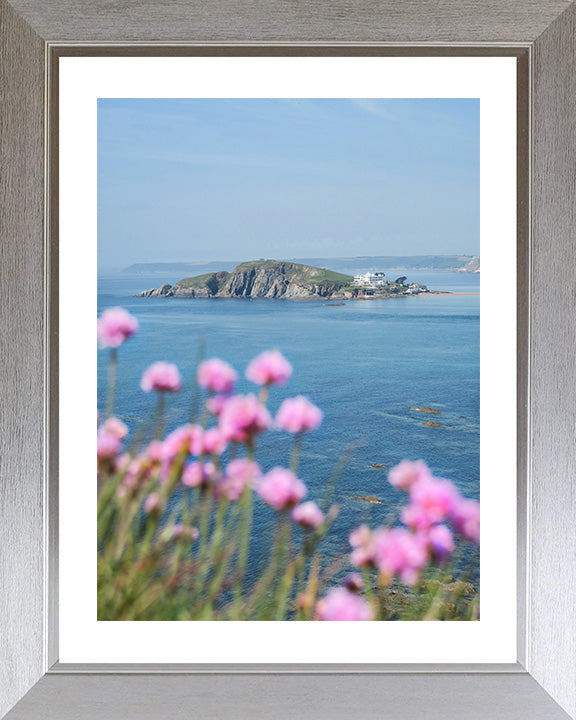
365,364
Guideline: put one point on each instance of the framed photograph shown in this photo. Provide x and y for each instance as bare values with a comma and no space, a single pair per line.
308,410
264,496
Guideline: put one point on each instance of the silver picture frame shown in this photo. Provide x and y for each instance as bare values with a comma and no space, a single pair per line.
33,35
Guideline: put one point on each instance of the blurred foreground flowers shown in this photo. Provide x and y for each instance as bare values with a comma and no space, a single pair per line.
175,515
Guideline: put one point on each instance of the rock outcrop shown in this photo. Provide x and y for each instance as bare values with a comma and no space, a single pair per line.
278,279
261,279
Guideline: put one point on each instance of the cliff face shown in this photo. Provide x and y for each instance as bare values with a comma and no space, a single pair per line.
262,279
473,266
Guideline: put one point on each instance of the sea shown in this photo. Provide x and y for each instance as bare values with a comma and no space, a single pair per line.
366,364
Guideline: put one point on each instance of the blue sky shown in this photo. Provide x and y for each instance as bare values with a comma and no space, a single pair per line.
199,180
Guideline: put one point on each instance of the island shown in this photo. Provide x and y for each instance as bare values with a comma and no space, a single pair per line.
283,279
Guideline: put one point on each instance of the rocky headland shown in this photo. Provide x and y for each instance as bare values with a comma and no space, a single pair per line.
278,279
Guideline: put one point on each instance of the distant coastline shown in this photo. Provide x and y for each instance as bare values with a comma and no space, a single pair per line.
343,265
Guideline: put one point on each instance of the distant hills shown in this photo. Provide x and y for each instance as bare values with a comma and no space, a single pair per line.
473,266
182,268
345,265
351,265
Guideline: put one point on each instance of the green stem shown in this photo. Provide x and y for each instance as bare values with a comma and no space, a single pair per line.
205,512
287,580
368,589
218,563
246,502
112,367
295,454
160,415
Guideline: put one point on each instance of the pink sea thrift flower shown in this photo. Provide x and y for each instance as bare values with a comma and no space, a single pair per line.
240,474
196,439
362,540
183,531
198,474
407,473
184,440
243,417
308,515
435,497
214,442
130,480
107,445
114,426
216,375
354,582
151,504
440,542
416,518
400,552
185,437
341,604
115,326
216,404
161,376
298,415
123,462
281,489
269,368
154,451
466,519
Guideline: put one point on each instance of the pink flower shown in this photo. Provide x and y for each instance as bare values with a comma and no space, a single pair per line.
216,404
466,519
243,417
269,368
115,326
154,451
407,473
362,540
107,445
196,438
122,490
308,515
123,462
399,552
133,471
298,415
198,474
341,604
440,542
114,426
416,518
281,489
354,582
183,531
185,437
216,375
239,474
434,497
151,503
214,442
161,376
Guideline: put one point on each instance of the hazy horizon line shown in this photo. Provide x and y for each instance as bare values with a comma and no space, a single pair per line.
120,269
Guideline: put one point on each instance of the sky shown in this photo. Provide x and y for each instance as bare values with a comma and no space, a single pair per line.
185,180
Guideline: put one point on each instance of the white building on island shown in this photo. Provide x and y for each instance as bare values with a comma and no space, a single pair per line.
370,279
